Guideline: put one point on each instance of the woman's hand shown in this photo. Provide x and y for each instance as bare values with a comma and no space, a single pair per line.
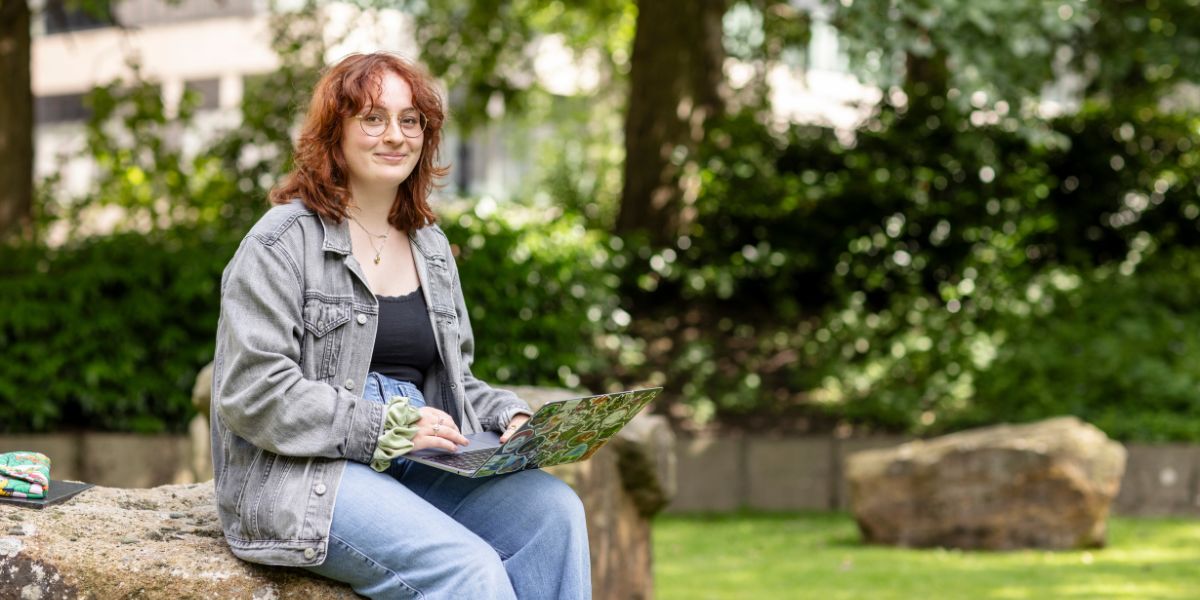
436,429
513,425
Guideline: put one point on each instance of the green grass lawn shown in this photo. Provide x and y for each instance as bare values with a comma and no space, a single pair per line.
820,555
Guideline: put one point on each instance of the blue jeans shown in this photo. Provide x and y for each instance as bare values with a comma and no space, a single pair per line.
419,532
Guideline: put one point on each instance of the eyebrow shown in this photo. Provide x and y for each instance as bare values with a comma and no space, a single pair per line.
373,106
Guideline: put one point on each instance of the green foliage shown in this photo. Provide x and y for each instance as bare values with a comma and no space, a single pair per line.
259,151
1118,351
1108,347
881,282
1138,53
960,260
142,170
542,296
486,50
576,165
109,332
1005,50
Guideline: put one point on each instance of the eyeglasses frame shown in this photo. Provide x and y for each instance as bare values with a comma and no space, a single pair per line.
395,117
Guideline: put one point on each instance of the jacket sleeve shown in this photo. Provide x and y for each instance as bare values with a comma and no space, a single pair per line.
259,390
495,407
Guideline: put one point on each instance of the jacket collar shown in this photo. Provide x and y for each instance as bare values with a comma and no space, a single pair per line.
337,235
424,240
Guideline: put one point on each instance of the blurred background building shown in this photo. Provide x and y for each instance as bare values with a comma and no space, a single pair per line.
213,47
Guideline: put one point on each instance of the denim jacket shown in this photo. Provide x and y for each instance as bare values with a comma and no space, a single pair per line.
294,343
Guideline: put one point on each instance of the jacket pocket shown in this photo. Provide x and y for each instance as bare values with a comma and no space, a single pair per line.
243,473
292,491
323,321
252,498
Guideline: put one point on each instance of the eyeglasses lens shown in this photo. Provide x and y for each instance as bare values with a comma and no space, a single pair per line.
411,124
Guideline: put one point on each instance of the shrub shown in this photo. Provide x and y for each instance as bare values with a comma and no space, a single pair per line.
109,332
542,295
894,281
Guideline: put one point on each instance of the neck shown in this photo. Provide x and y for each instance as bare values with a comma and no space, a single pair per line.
372,206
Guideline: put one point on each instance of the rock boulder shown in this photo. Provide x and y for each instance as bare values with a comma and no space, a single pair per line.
1041,485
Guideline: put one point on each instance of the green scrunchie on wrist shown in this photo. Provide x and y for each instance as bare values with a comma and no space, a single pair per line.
399,429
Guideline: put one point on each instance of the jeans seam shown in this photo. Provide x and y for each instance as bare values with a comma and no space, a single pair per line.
350,547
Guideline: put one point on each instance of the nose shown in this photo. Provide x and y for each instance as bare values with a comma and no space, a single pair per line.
392,133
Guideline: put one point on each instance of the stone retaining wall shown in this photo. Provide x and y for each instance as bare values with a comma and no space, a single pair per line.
714,473
722,473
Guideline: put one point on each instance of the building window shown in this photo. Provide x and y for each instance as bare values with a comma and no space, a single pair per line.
136,13
60,109
58,17
209,91
463,168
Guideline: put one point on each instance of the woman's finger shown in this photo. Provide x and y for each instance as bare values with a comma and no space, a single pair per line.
434,417
432,441
447,432
453,435
513,426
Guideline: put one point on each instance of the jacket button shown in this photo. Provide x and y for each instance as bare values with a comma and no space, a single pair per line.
349,384
362,319
309,553
320,489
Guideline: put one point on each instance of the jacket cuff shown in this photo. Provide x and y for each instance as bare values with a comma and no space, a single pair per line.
361,444
507,413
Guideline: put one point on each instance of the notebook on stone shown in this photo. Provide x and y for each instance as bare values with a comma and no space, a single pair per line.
58,491
560,432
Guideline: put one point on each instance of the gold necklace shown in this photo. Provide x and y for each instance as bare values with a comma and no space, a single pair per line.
371,239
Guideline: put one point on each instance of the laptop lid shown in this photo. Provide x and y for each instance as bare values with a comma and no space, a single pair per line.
562,431
567,431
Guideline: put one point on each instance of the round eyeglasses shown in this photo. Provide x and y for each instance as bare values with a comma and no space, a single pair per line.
412,124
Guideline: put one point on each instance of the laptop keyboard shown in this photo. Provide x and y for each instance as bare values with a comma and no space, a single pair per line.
463,460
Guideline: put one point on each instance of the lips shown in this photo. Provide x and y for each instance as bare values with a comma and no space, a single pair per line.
391,157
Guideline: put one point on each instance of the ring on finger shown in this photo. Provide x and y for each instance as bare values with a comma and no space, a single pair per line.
436,427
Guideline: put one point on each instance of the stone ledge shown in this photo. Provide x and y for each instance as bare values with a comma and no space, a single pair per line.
163,542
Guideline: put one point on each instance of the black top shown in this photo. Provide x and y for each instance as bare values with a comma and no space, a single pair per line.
404,345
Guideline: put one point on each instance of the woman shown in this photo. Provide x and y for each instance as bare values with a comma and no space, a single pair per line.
344,343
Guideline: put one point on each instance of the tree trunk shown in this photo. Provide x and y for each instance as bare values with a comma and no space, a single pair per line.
16,119
675,75
926,83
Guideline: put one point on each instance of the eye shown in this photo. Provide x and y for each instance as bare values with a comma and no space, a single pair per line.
411,121
374,119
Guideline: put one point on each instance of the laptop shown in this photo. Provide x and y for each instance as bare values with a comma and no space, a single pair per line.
560,432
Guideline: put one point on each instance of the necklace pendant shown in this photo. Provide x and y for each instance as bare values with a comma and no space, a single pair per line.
376,259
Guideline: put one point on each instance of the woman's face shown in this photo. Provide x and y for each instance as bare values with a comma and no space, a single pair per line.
388,159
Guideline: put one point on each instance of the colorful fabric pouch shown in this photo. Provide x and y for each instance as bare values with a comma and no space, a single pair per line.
24,474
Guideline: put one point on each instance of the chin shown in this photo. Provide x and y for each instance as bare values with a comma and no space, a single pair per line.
394,178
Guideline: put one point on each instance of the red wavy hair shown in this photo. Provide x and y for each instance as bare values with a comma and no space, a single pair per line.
320,174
